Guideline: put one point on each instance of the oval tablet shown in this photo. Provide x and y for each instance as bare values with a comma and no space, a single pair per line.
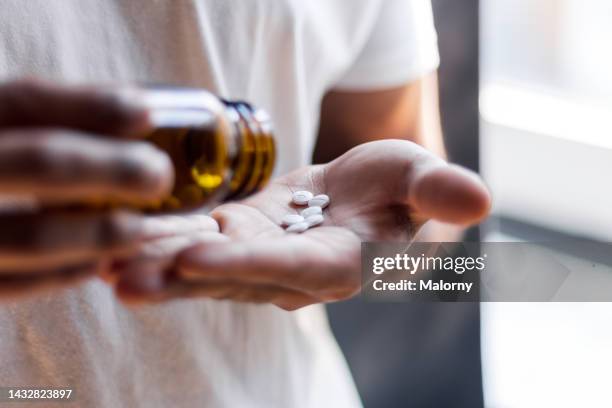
315,220
321,200
311,211
291,219
299,227
301,197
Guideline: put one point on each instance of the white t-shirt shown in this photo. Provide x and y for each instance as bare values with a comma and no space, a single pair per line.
282,55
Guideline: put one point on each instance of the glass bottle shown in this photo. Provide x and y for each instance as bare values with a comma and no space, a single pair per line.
221,150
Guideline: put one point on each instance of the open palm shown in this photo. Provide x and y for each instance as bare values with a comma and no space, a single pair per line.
380,191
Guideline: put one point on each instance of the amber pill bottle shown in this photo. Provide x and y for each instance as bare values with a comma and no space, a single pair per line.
221,150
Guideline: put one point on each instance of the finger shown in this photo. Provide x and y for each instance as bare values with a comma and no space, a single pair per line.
151,277
407,173
433,188
169,247
146,281
33,241
64,166
149,269
447,193
323,262
42,104
143,280
17,284
178,225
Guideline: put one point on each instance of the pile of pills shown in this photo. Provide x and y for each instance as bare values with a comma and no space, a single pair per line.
308,217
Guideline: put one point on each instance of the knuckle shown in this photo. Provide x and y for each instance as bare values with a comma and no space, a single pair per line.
29,84
17,89
19,162
41,154
17,97
27,101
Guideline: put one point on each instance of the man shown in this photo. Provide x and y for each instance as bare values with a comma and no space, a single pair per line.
349,71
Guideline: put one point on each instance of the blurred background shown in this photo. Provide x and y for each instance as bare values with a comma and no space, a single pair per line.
546,153
526,99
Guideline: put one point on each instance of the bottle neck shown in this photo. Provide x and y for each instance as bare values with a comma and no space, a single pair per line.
225,147
254,161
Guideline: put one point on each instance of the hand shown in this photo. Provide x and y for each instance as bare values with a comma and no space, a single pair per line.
53,151
380,191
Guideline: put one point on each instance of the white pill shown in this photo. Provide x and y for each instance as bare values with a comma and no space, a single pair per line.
302,197
299,227
314,220
311,211
321,200
291,219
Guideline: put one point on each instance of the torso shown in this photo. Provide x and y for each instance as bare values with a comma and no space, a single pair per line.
280,54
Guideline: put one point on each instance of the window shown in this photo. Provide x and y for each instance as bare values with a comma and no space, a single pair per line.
546,110
546,152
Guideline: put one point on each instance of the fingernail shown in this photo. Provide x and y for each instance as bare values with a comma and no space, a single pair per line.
147,168
132,99
133,103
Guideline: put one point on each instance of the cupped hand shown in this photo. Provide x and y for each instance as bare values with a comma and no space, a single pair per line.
380,191
60,145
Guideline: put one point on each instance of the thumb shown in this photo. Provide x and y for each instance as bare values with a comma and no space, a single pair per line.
447,193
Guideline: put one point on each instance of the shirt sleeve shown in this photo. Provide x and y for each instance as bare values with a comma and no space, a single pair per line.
402,47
